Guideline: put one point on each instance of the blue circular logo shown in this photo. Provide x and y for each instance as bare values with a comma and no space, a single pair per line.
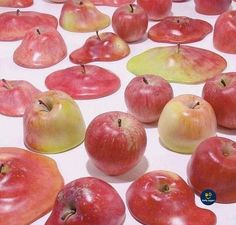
208,197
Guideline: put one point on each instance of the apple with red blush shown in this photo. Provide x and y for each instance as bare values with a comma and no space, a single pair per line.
115,142
16,3
130,22
145,97
217,155
163,198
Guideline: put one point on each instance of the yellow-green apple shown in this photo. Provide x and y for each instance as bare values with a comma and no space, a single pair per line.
145,97
53,123
212,7
225,32
130,22
164,198
88,200
15,24
41,47
220,92
106,46
16,3
15,96
115,3
181,63
179,29
186,121
156,9
82,16
84,82
115,142
29,185
217,155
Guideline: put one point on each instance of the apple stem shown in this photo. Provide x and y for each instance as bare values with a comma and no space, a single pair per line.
98,35
45,105
195,105
7,84
68,214
178,48
83,68
145,80
119,122
38,31
223,82
81,3
17,12
132,8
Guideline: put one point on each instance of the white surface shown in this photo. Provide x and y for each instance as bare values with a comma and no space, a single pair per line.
74,164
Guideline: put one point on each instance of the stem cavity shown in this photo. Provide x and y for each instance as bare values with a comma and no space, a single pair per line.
47,107
68,214
165,188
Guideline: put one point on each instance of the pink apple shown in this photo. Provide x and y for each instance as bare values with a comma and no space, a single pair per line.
156,9
145,97
115,142
130,22
213,166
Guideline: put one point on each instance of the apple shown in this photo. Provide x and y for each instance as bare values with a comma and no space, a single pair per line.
87,200
84,82
105,46
225,31
15,96
130,22
212,7
219,92
186,121
145,97
53,123
115,142
82,16
156,9
115,3
16,3
29,185
41,47
217,155
164,198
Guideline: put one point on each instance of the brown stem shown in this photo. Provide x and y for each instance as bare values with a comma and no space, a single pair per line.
119,122
17,12
6,84
68,214
81,3
178,48
195,105
223,82
83,68
131,8
38,31
48,109
98,35
145,80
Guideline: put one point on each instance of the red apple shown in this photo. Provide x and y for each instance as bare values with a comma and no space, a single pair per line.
115,142
29,185
220,92
145,97
15,96
130,22
16,3
164,198
212,7
156,9
213,166
225,31
85,201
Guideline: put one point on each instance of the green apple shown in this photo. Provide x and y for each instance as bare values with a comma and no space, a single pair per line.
53,123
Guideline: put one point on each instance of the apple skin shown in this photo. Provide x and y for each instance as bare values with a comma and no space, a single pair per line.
220,92
115,142
185,121
212,7
156,9
53,123
87,200
164,198
15,96
145,97
217,155
16,3
225,32
26,179
130,22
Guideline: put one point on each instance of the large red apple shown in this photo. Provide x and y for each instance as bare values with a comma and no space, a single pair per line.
164,198
213,166
156,9
86,201
130,22
115,142
145,97
220,92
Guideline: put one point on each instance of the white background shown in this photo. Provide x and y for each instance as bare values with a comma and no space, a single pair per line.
74,163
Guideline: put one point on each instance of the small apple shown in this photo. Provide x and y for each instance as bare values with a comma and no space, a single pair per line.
130,22
217,155
225,31
145,97
29,185
16,3
164,198
220,92
185,121
156,9
53,123
85,201
115,142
